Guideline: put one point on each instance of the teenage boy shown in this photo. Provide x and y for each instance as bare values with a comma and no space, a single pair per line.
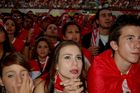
117,70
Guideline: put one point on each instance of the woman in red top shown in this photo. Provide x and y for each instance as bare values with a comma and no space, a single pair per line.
12,30
40,61
5,44
67,74
71,31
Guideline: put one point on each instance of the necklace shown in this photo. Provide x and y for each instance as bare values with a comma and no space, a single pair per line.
42,62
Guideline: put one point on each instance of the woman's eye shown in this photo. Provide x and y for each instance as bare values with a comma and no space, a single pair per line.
67,57
70,32
79,58
77,31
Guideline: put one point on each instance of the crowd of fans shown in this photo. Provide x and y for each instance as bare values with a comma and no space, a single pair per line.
61,50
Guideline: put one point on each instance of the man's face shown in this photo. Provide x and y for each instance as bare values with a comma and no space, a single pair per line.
28,23
128,48
12,77
105,19
52,30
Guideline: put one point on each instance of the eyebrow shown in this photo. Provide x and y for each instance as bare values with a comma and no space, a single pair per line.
11,71
131,36
71,54
66,54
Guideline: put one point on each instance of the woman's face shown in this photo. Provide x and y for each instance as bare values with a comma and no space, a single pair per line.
42,49
10,27
2,36
69,62
12,77
52,30
72,33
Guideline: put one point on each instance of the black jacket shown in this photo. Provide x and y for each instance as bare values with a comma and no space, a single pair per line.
86,41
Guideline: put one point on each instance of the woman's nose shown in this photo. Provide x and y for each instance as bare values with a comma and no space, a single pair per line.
75,62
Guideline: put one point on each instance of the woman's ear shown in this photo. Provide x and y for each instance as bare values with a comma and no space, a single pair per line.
1,83
114,45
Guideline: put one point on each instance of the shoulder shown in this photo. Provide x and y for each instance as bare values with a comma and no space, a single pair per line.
103,60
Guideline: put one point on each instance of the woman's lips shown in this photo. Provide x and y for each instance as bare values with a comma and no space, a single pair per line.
74,71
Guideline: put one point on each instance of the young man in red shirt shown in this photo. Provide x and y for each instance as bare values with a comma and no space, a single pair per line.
117,70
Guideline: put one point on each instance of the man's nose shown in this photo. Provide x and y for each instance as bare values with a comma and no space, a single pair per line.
19,79
137,44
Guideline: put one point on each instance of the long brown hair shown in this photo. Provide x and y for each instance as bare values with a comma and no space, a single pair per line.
55,61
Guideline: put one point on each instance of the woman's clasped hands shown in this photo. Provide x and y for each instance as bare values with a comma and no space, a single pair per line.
72,86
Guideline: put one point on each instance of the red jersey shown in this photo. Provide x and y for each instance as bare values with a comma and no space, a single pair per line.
104,76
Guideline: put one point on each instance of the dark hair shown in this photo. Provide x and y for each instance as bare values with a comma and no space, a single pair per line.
17,12
35,54
55,61
14,58
122,21
42,38
98,12
28,17
65,26
7,46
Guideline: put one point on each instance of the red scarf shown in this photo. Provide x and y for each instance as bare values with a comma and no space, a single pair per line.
57,83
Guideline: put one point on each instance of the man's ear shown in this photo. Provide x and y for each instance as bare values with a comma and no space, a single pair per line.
1,83
114,45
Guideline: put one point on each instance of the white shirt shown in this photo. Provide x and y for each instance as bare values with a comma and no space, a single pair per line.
104,38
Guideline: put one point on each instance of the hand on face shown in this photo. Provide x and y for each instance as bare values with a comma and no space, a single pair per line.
27,85
72,86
